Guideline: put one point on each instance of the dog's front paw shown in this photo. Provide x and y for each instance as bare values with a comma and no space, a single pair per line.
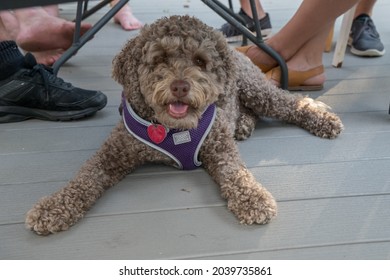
253,205
330,126
318,120
50,215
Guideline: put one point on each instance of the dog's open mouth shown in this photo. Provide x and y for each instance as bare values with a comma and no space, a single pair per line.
178,109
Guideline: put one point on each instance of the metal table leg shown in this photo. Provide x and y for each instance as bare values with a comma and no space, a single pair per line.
78,40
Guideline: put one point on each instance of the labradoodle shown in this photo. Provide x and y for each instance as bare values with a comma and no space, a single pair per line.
187,97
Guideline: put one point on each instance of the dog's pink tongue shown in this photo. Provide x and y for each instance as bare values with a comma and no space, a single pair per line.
178,109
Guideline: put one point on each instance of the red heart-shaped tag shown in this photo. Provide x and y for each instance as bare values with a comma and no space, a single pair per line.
157,133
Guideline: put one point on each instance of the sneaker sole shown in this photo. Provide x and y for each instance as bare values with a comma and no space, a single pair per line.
369,52
265,33
17,114
10,118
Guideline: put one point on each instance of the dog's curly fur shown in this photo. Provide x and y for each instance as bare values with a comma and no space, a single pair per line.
181,49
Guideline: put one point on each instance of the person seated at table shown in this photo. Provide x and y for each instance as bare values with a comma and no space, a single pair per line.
301,43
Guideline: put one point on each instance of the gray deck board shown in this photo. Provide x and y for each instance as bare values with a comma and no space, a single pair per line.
191,233
333,195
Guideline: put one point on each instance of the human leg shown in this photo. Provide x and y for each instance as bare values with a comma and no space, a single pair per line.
301,41
48,57
305,67
300,29
125,17
365,7
246,7
4,36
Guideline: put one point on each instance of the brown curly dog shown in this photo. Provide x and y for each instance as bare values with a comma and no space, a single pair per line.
187,98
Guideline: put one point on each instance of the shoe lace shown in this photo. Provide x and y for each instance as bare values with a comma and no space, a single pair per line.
48,77
368,27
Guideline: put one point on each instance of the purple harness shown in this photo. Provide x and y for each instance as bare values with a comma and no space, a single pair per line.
181,145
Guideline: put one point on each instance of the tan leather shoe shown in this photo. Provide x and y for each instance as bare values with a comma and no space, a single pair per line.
296,79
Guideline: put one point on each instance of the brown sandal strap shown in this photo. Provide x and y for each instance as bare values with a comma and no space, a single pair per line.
295,78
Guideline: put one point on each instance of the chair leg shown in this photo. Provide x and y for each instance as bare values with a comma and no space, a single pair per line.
329,40
342,40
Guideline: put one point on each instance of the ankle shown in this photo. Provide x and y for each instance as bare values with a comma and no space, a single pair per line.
248,12
259,56
12,59
303,63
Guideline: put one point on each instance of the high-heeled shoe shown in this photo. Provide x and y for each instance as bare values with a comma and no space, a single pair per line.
296,79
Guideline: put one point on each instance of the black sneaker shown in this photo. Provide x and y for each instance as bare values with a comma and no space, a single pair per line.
35,92
232,34
364,39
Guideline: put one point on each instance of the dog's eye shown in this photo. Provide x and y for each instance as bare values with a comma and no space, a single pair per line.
160,59
199,62
159,77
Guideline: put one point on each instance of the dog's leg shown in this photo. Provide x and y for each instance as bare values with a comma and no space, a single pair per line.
111,163
265,99
246,197
296,109
245,124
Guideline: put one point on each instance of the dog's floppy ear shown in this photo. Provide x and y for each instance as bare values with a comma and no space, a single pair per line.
126,62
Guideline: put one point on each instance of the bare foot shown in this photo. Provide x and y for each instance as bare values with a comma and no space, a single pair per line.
35,30
49,57
57,35
259,56
126,19
4,35
9,25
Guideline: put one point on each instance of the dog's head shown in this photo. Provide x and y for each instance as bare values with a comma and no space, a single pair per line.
174,69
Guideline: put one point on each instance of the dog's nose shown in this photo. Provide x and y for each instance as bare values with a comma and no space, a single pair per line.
180,88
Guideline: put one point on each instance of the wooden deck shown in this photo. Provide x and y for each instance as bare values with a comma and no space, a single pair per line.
333,195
